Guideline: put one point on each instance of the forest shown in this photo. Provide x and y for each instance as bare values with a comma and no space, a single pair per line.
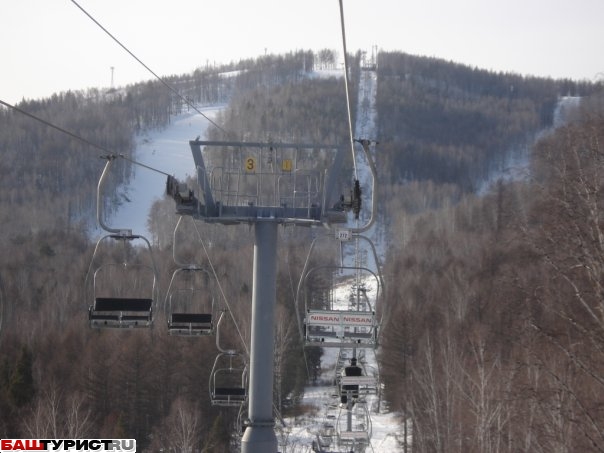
499,294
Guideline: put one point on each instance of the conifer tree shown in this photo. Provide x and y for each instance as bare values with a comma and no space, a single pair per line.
21,386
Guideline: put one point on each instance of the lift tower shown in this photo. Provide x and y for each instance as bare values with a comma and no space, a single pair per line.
264,185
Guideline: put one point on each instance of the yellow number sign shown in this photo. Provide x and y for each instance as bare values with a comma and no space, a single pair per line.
250,165
286,165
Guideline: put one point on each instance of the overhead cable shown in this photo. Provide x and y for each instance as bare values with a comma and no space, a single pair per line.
224,298
166,84
107,151
60,129
350,133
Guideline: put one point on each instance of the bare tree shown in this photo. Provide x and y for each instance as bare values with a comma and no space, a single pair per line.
182,427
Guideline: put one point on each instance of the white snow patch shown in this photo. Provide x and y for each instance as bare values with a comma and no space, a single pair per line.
566,106
326,73
516,165
235,73
168,151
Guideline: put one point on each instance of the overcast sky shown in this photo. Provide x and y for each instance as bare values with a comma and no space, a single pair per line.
48,46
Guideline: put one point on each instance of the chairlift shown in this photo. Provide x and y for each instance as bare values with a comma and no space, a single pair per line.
123,291
353,428
353,382
242,180
122,276
189,304
190,298
228,380
340,299
229,375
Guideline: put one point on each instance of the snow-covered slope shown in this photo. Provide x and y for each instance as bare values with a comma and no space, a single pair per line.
166,150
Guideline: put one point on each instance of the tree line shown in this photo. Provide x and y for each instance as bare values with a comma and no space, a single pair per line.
500,300
450,123
60,379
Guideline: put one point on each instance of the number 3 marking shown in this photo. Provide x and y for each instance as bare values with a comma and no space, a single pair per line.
250,164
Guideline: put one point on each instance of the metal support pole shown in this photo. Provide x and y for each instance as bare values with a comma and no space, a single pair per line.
259,436
349,405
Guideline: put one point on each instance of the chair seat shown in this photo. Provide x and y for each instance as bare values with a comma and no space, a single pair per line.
121,304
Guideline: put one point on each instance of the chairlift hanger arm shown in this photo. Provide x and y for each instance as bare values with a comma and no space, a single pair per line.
349,111
99,201
355,198
99,204
354,201
374,200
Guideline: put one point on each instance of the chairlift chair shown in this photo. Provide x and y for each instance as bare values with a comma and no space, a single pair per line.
123,292
228,380
354,382
340,299
353,427
123,282
189,304
339,314
229,375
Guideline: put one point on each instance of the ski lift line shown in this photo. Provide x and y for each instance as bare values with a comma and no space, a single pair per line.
347,90
108,153
226,302
166,84
140,164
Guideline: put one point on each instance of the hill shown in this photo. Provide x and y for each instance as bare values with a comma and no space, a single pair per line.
460,268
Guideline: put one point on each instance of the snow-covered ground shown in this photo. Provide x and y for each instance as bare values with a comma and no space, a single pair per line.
385,427
565,108
166,150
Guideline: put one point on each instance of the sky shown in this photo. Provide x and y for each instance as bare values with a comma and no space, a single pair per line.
48,46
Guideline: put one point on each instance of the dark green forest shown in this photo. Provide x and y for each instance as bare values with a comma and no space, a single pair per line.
499,296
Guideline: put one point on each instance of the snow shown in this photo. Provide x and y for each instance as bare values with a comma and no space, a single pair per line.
565,108
386,428
515,168
326,73
166,150
366,128
517,163
234,73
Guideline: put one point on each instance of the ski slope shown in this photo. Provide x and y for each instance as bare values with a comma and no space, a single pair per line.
166,150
